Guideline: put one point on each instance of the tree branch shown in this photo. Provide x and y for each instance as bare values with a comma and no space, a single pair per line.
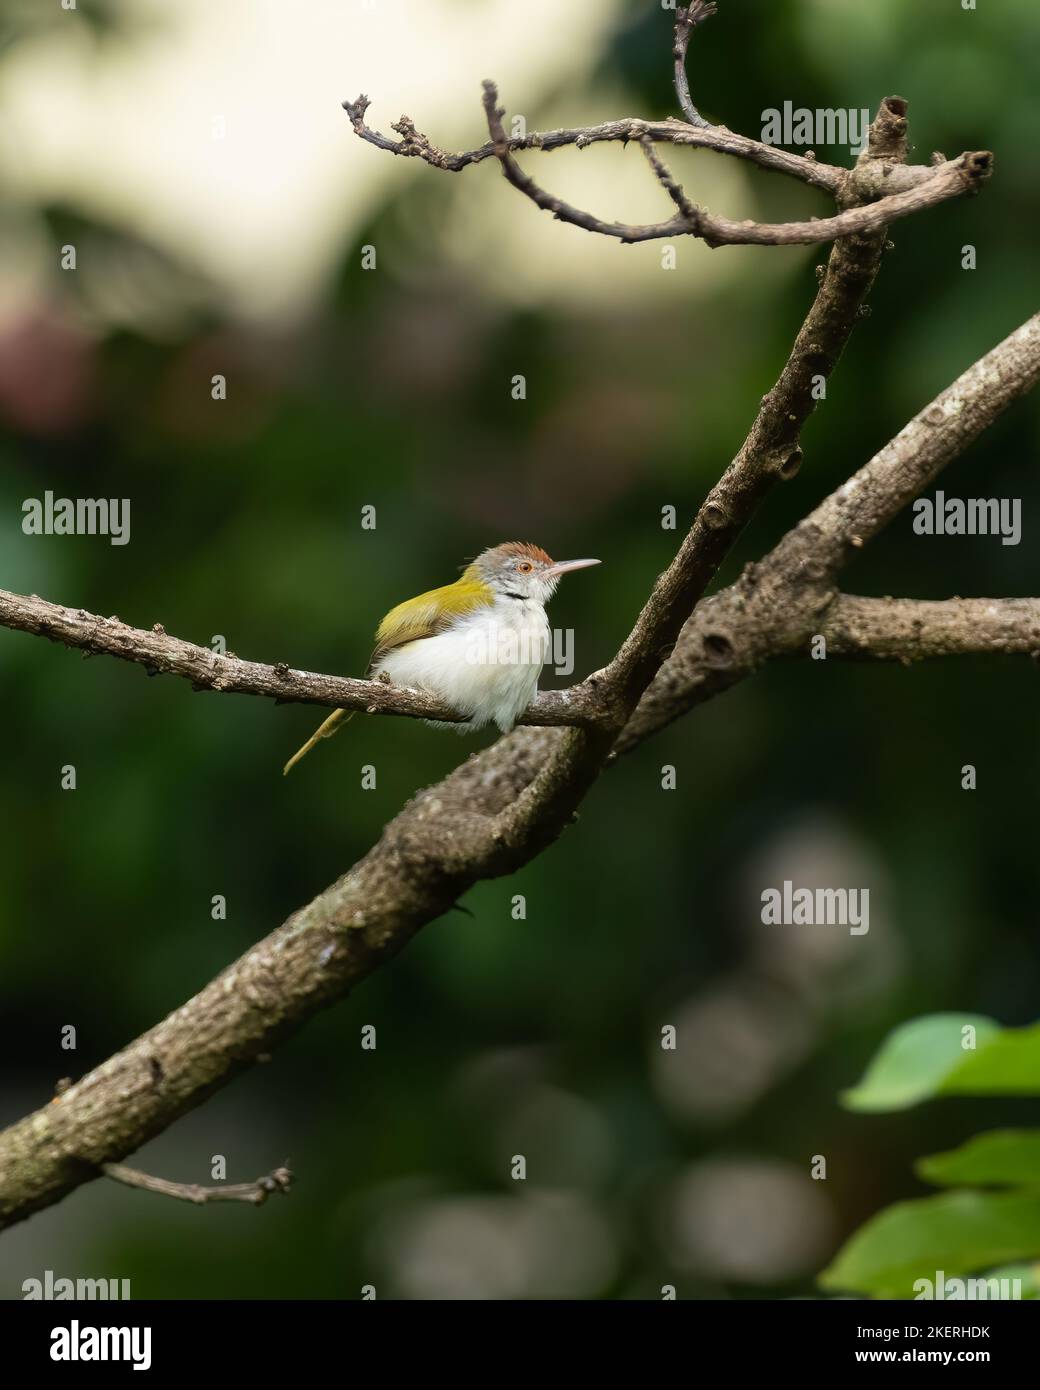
500,808
687,211
831,178
256,1193
922,448
772,452
782,601
492,814
899,190
948,180
414,144
686,21
162,654
908,630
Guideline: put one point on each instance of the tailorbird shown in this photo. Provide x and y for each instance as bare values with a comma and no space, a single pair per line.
478,645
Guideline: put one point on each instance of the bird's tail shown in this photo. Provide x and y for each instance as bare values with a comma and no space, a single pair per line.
331,726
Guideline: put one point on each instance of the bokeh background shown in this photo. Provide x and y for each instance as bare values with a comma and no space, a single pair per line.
198,159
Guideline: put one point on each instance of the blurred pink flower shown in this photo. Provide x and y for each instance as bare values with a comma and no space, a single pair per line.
47,373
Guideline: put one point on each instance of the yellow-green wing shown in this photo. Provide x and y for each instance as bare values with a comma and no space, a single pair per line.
427,614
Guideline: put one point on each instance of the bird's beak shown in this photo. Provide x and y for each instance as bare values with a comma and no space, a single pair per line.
565,566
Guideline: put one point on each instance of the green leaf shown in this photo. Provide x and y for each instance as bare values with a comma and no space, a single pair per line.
927,1058
1005,1065
915,1060
998,1158
957,1233
1027,1275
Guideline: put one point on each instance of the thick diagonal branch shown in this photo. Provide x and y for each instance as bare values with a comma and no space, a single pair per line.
906,465
782,601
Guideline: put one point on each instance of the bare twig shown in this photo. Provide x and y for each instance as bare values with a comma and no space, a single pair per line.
256,1193
901,190
831,178
686,21
949,180
561,210
690,213
414,144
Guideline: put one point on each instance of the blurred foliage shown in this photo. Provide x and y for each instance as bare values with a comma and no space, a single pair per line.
961,1233
646,1167
24,20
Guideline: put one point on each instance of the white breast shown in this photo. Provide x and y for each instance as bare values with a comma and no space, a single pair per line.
486,666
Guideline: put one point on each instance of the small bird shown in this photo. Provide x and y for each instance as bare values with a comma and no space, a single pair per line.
478,645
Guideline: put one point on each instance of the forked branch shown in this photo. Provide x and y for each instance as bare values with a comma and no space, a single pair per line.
899,190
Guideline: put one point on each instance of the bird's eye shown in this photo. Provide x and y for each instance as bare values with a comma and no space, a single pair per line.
524,567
